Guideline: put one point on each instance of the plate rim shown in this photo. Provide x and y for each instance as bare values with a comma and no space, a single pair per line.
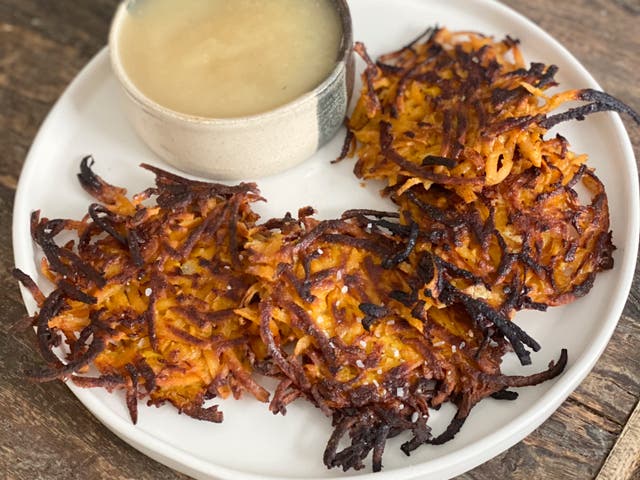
473,454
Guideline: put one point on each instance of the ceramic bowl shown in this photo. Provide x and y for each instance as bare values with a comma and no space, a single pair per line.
243,147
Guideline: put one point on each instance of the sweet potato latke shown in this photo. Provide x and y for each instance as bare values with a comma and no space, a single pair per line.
455,125
147,293
375,317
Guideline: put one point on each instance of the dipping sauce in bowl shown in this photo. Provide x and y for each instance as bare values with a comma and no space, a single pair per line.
234,89
222,59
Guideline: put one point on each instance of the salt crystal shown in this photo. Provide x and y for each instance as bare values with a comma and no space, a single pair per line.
320,251
471,333
228,287
414,417
400,392
438,344
375,382
148,292
363,344
462,344
339,275
391,322
344,289
401,407
359,363
396,353
453,348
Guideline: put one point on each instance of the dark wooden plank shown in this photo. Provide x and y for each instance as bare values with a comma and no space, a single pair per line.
624,459
43,45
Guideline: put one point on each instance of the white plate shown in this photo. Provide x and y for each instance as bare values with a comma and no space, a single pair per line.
252,443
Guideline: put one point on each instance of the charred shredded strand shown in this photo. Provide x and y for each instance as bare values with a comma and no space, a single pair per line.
132,392
601,102
434,160
402,256
346,147
105,222
373,104
28,283
49,374
372,313
451,431
505,395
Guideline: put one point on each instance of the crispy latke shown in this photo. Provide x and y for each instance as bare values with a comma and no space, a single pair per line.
342,333
455,125
147,293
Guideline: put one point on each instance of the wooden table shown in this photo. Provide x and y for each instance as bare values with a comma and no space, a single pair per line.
46,433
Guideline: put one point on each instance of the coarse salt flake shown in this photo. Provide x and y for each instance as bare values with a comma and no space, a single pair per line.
359,363
148,292
414,417
344,289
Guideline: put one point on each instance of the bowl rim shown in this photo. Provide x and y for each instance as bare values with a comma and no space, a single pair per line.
343,58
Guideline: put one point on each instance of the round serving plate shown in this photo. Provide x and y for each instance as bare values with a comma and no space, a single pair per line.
252,443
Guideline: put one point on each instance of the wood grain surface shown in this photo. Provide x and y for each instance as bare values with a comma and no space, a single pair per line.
45,433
